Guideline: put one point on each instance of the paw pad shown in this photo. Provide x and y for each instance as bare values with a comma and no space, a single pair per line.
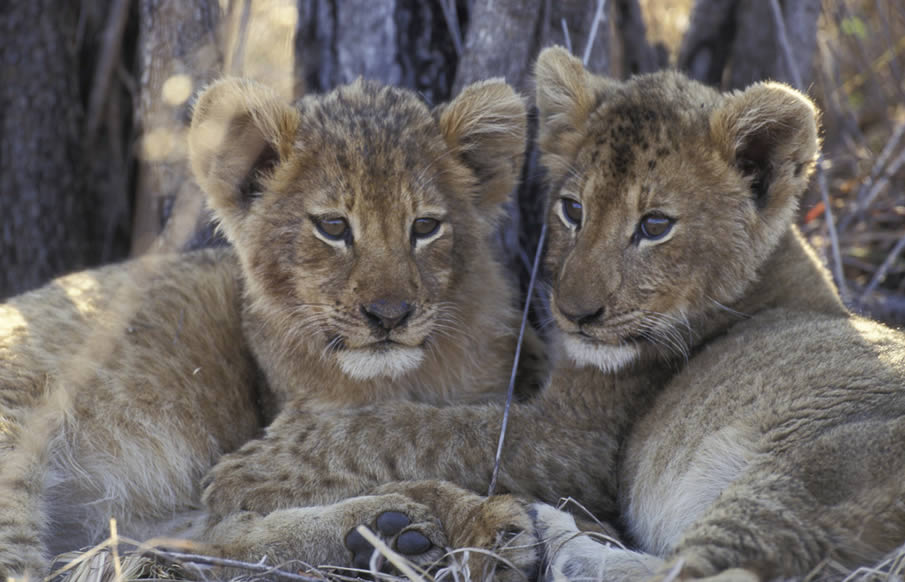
412,543
389,524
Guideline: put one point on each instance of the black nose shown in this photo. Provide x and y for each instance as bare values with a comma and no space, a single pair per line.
387,314
580,316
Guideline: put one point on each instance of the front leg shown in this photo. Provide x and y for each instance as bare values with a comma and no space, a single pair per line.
317,538
429,523
586,553
494,538
561,444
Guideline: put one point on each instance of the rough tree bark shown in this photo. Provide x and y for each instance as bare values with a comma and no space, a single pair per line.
178,54
435,47
569,23
46,227
733,43
399,42
635,54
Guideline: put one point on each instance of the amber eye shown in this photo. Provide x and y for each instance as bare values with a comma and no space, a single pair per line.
333,227
424,227
571,209
655,226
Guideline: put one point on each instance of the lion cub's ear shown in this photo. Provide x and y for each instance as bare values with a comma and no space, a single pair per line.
768,132
487,126
240,131
566,95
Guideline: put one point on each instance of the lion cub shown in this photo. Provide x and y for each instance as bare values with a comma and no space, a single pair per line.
362,271
713,394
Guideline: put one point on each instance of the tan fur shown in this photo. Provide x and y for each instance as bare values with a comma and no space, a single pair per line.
115,400
121,387
724,405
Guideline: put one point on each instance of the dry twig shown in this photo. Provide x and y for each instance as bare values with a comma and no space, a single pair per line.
598,16
784,43
831,230
518,353
107,64
448,7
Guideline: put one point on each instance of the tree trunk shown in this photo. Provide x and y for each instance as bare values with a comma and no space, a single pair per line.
636,55
47,226
178,54
397,42
733,43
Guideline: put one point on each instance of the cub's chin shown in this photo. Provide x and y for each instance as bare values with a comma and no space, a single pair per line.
369,363
608,358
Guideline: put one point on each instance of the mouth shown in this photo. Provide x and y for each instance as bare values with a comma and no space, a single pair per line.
586,350
612,336
384,358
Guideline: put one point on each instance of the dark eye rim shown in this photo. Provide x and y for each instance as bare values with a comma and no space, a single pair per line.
566,200
644,234
345,235
422,235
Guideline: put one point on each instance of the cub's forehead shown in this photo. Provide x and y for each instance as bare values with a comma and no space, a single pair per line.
643,122
367,119
366,142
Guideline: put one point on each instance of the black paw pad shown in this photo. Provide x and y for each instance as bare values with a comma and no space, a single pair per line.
357,544
390,523
412,543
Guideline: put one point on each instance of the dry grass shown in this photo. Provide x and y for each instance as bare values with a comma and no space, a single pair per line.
146,563
859,82
119,559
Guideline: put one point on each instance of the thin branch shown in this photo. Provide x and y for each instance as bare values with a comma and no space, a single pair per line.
114,550
239,50
448,7
565,35
878,186
515,361
106,65
866,191
831,229
784,43
880,273
598,16
891,144
380,547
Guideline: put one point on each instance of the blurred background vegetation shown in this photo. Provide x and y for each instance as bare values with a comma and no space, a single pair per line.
96,97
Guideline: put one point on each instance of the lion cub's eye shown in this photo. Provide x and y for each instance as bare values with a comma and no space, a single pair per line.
654,226
424,227
571,209
332,227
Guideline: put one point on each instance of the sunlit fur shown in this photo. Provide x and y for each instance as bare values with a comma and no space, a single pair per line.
758,432
121,387
756,419
306,294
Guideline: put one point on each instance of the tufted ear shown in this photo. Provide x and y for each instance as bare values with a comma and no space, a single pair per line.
240,131
487,125
566,95
769,134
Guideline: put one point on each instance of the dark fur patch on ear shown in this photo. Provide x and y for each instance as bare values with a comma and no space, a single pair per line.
753,160
250,188
768,133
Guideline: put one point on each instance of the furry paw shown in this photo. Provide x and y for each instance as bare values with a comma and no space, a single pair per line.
421,543
681,571
493,538
573,554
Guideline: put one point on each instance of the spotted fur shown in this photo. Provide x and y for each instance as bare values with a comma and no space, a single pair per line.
714,397
121,387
